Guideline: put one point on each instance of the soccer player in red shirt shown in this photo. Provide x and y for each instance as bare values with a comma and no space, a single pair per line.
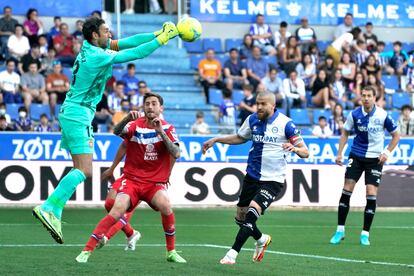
152,147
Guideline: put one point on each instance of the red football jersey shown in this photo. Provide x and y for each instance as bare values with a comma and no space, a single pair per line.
147,158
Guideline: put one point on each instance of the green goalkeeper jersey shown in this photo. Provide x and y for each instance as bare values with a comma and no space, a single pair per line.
93,68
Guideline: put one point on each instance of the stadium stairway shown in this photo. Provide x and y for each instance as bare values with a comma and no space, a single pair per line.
168,73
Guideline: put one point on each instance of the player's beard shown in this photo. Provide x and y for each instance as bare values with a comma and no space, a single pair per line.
262,114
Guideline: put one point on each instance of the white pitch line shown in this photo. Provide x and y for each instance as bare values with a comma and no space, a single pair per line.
311,256
224,225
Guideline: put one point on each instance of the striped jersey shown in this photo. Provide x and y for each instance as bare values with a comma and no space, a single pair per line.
369,131
147,158
266,161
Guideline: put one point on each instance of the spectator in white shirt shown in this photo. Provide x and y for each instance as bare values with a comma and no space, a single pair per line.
262,35
274,84
294,89
342,44
280,38
10,84
200,127
18,45
305,35
344,27
322,130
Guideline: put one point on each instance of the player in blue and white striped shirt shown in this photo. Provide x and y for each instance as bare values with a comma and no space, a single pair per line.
273,135
367,155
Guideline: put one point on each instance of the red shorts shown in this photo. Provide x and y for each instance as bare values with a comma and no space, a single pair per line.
137,191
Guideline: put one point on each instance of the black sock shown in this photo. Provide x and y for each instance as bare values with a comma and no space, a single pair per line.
238,222
369,212
343,207
247,229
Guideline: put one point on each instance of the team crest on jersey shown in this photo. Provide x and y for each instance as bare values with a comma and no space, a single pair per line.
274,129
150,153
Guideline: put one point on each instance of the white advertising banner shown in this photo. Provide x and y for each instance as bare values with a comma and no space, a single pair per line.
203,184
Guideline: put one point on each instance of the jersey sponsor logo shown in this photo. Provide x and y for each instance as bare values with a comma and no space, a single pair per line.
150,153
372,129
263,138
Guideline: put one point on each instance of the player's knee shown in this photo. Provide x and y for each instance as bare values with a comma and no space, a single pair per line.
165,209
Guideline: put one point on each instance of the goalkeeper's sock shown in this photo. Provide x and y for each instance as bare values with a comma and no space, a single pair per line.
168,223
369,212
343,208
65,189
103,226
247,229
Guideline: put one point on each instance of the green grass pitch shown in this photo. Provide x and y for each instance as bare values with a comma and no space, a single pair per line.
300,245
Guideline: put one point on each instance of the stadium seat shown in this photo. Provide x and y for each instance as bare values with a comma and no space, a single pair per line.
271,60
320,112
212,43
300,116
13,110
215,95
194,47
346,112
38,109
232,43
306,131
118,73
57,109
322,45
408,46
390,82
281,74
237,96
400,99
67,71
388,47
222,58
195,60
394,115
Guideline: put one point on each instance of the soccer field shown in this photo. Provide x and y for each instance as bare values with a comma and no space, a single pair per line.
300,245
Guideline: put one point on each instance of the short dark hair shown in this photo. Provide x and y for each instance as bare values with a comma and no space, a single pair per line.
124,100
151,94
130,66
22,108
248,87
381,43
43,115
349,14
397,43
91,25
370,88
406,106
259,14
35,45
233,50
283,24
29,12
120,83
360,41
355,32
18,25
57,17
321,118
200,114
6,7
97,12
10,60
226,93
369,24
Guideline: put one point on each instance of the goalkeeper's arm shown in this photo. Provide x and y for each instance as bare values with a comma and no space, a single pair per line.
131,42
137,52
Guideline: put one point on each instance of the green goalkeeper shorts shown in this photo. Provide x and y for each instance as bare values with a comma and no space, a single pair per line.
77,133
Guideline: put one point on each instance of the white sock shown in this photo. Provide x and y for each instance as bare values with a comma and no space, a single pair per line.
232,253
262,239
340,228
365,233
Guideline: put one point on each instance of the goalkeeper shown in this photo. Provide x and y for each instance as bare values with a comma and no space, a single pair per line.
91,70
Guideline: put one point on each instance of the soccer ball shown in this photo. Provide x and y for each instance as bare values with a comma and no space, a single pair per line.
189,29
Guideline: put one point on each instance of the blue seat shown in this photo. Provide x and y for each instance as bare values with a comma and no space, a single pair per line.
320,112
13,110
388,47
67,71
300,116
400,99
222,58
394,115
232,43
57,109
195,60
306,131
322,45
102,128
271,60
281,74
408,46
391,82
38,109
237,96
215,95
212,43
118,73
194,47
346,113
